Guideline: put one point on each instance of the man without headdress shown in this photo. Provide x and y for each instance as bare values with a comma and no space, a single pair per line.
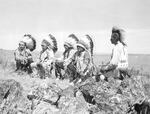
119,57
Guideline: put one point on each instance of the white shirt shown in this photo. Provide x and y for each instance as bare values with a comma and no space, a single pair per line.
47,56
119,56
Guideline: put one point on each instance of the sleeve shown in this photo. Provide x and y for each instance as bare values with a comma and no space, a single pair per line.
86,62
29,57
60,58
70,58
86,58
17,55
115,57
50,57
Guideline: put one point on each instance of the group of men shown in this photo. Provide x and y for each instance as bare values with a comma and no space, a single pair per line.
76,62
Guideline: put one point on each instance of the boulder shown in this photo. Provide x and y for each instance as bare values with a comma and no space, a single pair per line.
12,100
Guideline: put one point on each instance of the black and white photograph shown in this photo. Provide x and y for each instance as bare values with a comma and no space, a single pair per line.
74,56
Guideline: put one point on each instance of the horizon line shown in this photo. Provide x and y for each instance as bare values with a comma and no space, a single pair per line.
96,53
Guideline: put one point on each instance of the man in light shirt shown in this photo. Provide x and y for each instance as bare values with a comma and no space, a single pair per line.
119,57
44,63
23,56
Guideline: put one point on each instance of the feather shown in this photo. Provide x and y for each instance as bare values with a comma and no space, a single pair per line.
55,47
91,43
73,36
33,47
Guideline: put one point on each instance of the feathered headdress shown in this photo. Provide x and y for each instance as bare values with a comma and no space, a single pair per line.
73,36
88,43
91,43
71,41
54,43
29,41
51,42
82,44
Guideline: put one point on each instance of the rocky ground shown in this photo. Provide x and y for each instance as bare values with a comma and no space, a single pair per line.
90,97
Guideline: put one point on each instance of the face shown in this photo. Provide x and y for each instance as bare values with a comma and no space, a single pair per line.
80,49
22,45
66,47
44,46
114,38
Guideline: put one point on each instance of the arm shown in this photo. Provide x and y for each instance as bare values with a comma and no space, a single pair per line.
115,57
17,55
83,63
29,55
113,62
50,57
70,58
88,62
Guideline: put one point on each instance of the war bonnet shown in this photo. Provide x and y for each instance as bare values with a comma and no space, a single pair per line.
85,42
91,44
51,42
29,41
71,41
54,43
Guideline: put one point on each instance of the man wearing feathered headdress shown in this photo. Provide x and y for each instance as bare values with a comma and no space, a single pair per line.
23,56
46,58
119,57
83,59
66,62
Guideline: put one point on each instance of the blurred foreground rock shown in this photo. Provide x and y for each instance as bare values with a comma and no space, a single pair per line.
12,100
59,97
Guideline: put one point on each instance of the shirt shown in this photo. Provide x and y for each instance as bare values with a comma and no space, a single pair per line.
46,56
119,55
83,62
69,56
21,55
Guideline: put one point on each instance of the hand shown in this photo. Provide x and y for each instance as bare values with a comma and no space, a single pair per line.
38,61
66,63
81,73
23,61
103,69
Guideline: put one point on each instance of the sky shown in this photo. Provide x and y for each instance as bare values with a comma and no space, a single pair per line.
63,17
